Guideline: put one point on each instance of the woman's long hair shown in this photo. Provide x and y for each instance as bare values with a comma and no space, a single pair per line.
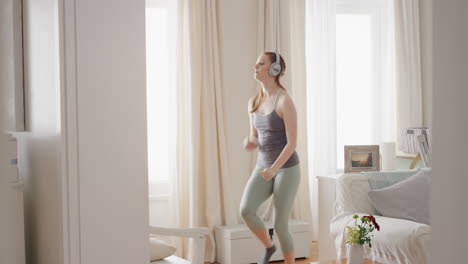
260,95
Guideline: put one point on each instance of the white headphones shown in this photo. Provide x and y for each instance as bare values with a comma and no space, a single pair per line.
275,67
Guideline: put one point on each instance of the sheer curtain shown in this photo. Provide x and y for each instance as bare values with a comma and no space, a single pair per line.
202,188
297,82
321,94
408,59
350,81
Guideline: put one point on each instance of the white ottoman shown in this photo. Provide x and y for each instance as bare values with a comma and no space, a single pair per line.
235,244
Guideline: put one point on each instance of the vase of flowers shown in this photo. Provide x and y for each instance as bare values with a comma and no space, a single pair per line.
358,235
355,254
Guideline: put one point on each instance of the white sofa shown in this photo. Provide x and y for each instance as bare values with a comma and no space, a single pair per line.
398,241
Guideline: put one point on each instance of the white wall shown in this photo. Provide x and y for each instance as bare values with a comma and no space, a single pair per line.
449,196
39,147
106,113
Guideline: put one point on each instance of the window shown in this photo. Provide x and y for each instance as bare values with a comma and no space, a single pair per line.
364,82
350,78
160,74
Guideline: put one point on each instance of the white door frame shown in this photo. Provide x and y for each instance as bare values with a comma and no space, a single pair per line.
69,122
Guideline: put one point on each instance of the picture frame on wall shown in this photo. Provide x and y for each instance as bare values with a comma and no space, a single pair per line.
362,158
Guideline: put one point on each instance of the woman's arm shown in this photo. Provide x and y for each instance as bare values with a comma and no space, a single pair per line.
287,111
251,141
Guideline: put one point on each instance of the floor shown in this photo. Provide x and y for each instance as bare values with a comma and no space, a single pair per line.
314,258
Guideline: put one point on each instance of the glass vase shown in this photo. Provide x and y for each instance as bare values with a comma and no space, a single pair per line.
355,254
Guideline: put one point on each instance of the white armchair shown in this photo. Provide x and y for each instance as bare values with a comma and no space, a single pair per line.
199,236
399,241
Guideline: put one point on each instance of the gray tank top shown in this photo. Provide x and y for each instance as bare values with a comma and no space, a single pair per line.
271,138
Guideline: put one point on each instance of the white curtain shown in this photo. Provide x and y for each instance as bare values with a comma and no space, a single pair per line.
289,40
295,22
408,61
339,110
321,94
203,184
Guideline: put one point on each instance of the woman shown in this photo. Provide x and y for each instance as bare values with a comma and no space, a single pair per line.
273,128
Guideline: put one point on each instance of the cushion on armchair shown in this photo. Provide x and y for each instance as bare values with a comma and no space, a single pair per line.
407,199
159,249
383,179
352,195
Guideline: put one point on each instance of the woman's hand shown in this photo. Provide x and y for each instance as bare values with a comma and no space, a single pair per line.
249,145
269,173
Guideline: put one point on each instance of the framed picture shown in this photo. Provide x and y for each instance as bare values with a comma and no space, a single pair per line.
424,149
362,158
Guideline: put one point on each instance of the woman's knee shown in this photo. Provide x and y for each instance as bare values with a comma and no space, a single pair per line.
281,228
246,212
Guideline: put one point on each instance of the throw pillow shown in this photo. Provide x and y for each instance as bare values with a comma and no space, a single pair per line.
382,179
159,249
408,199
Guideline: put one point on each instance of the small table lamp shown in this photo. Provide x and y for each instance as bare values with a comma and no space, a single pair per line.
409,141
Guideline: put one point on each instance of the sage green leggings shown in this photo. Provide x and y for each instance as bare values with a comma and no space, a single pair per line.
284,188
